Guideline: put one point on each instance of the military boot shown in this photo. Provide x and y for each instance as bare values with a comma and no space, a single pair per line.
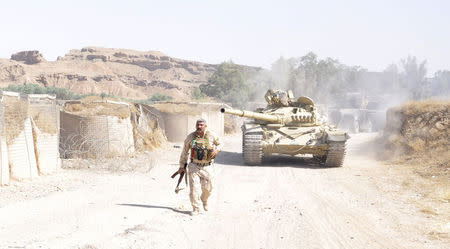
194,212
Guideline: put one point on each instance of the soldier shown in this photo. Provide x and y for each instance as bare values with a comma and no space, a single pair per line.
203,146
279,98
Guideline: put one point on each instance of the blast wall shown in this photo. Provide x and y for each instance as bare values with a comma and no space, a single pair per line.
95,136
179,122
29,136
44,114
4,163
19,136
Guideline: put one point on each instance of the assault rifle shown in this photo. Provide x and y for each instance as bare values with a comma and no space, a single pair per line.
177,189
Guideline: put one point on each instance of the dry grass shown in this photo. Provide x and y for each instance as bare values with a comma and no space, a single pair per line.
426,106
149,140
45,121
16,112
89,107
73,108
422,134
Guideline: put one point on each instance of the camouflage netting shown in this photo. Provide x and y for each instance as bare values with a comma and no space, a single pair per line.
419,132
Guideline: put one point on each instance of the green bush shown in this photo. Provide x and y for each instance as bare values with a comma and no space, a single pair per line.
198,94
228,84
60,93
159,97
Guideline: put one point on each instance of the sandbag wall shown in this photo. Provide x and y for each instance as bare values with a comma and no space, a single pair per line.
95,136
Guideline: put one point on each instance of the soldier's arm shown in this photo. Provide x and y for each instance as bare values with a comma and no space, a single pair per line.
185,152
218,143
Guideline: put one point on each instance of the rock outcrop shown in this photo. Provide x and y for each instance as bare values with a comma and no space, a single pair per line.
120,72
420,130
28,57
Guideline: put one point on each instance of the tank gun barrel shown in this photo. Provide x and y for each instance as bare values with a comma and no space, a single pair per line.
254,115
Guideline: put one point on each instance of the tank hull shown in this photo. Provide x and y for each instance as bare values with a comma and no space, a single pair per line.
260,141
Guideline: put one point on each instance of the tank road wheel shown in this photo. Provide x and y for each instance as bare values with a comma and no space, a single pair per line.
335,155
252,148
320,159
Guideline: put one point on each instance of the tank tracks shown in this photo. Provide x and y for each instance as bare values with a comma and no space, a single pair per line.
252,148
335,155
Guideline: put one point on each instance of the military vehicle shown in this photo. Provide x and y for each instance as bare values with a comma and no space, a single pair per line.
289,127
349,113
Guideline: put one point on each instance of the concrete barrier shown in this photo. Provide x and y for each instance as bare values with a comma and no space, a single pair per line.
180,117
44,117
4,162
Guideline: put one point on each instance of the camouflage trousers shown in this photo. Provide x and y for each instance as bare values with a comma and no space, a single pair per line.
200,183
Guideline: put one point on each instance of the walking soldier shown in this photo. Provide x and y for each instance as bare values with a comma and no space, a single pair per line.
203,146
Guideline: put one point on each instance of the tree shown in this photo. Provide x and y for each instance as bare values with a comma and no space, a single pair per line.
159,97
227,84
322,79
413,77
440,84
280,71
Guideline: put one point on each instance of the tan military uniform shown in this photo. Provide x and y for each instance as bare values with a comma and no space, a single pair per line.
200,168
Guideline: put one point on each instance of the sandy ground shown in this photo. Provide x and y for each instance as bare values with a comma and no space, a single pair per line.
285,203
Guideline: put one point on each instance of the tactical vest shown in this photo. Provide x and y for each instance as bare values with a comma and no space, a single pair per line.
201,148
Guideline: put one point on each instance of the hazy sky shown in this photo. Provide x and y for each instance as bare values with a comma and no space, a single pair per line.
371,34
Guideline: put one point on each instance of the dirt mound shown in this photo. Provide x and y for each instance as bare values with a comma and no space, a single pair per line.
416,136
420,129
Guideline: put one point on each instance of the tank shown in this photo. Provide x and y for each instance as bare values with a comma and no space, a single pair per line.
289,126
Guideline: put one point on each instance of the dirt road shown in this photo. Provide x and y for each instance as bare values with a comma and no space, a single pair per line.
286,203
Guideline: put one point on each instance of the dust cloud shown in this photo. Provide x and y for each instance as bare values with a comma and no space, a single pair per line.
335,86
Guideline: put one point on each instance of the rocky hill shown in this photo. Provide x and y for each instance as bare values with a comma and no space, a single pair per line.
120,72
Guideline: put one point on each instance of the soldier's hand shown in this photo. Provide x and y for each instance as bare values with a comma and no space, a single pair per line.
214,153
181,170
